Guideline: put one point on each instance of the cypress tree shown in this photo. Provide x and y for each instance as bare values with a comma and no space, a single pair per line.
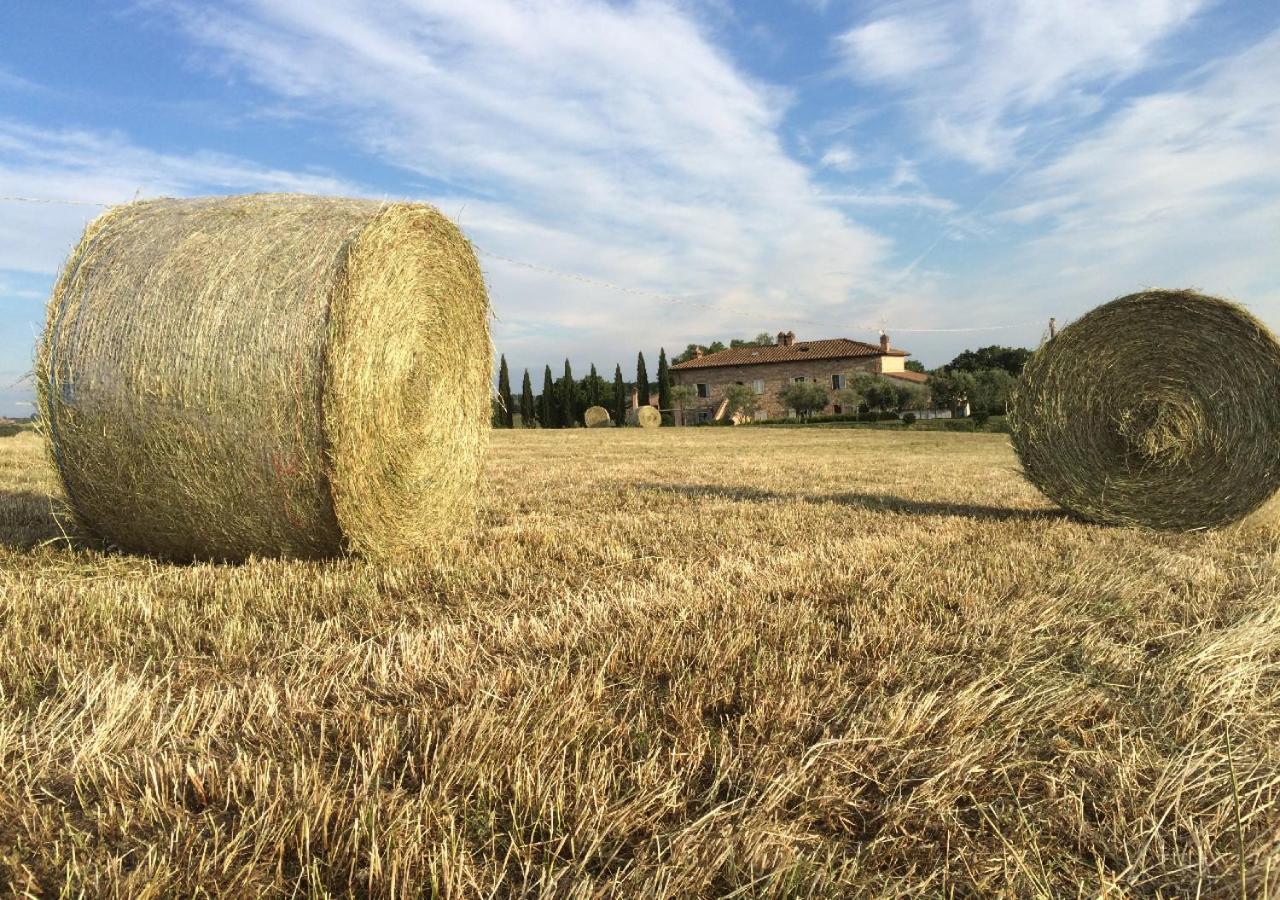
527,414
664,387
642,380
568,399
594,392
547,403
619,397
504,394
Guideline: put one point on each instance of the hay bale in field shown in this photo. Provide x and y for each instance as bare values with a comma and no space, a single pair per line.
1159,409
597,417
268,375
644,417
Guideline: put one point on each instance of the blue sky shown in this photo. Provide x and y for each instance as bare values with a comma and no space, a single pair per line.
824,167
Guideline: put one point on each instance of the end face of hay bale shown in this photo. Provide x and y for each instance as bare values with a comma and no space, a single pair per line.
597,417
1159,409
644,417
406,401
267,375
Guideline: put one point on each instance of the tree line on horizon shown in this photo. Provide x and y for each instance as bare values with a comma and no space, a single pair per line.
563,401
984,377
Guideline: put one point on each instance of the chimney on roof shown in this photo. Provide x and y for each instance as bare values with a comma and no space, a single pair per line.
635,398
697,353
884,342
786,338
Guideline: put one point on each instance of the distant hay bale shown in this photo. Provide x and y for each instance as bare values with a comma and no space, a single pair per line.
644,417
597,417
1159,409
268,375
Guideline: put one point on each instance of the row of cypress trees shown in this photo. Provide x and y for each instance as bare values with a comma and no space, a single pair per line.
563,401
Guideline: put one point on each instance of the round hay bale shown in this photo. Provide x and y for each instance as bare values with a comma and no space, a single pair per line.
644,417
1159,409
268,375
597,417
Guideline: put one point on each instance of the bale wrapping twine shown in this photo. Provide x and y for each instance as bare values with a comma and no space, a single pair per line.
597,417
268,375
1159,409
644,417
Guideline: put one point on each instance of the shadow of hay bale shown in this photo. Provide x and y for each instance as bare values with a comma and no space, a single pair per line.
872,502
27,519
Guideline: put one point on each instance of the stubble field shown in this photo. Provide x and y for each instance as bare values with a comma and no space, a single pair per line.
694,662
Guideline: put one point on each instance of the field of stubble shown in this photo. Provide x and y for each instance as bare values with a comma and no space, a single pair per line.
691,663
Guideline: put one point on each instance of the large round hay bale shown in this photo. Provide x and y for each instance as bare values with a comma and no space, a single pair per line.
1159,409
597,417
268,375
644,417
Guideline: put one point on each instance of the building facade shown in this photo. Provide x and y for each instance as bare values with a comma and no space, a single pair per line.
769,369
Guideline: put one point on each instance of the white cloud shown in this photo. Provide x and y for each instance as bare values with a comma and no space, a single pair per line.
975,73
1179,188
615,141
896,47
839,157
78,165
892,199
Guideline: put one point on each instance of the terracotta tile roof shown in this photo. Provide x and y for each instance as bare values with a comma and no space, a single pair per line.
838,348
917,377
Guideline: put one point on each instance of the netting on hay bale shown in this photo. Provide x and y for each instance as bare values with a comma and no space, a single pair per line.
268,375
1159,409
597,417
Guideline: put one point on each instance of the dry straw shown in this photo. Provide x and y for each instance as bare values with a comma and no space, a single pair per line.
597,417
1159,409
644,417
268,375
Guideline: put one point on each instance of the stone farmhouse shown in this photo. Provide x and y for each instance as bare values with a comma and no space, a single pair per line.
767,370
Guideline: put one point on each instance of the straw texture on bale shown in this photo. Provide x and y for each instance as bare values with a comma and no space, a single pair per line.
597,417
644,417
268,375
1159,409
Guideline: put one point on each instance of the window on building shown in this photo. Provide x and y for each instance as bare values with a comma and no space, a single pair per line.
703,391
799,379
758,385
837,382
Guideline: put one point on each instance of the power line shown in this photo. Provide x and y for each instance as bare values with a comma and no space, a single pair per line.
54,201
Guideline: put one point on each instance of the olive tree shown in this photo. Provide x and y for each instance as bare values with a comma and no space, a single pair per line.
805,397
681,394
742,401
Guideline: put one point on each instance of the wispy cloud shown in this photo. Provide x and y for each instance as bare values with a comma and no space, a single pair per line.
839,157
896,47
1179,188
81,165
975,74
613,140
